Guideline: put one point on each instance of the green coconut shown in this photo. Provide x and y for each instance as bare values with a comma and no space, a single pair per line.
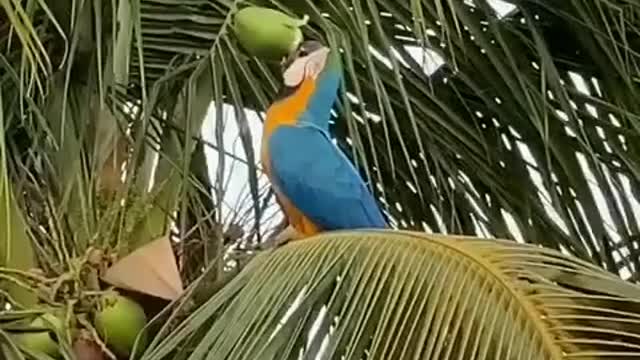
43,341
119,321
267,33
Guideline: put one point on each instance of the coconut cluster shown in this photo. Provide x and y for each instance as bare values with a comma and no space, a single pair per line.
103,322
118,320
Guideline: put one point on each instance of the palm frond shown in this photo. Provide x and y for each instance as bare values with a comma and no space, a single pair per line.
407,295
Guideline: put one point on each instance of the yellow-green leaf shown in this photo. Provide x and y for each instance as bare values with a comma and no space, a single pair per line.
405,295
16,251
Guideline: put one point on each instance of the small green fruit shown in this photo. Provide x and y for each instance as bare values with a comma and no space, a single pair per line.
119,322
42,341
267,33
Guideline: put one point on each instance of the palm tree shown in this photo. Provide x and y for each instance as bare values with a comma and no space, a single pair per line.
516,121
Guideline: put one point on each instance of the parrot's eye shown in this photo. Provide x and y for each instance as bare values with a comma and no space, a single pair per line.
303,52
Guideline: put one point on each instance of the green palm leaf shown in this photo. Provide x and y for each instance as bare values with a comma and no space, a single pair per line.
406,295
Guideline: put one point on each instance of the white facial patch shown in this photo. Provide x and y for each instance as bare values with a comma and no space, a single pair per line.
308,66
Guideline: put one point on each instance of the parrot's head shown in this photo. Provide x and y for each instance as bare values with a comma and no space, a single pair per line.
308,60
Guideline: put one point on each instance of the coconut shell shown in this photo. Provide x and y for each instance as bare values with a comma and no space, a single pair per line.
151,270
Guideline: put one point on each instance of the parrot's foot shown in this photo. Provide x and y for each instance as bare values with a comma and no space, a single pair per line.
287,235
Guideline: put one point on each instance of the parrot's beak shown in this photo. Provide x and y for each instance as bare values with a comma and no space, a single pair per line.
288,60
307,61
306,66
304,49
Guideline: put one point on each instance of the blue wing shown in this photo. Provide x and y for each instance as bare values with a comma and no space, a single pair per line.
320,181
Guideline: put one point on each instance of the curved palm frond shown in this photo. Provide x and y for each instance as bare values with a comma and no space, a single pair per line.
406,295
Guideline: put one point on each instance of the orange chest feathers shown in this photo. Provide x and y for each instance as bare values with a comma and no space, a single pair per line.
285,112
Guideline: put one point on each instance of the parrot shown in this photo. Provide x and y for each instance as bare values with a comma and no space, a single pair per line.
314,182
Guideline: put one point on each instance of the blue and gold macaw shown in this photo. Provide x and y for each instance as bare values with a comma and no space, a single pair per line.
316,185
